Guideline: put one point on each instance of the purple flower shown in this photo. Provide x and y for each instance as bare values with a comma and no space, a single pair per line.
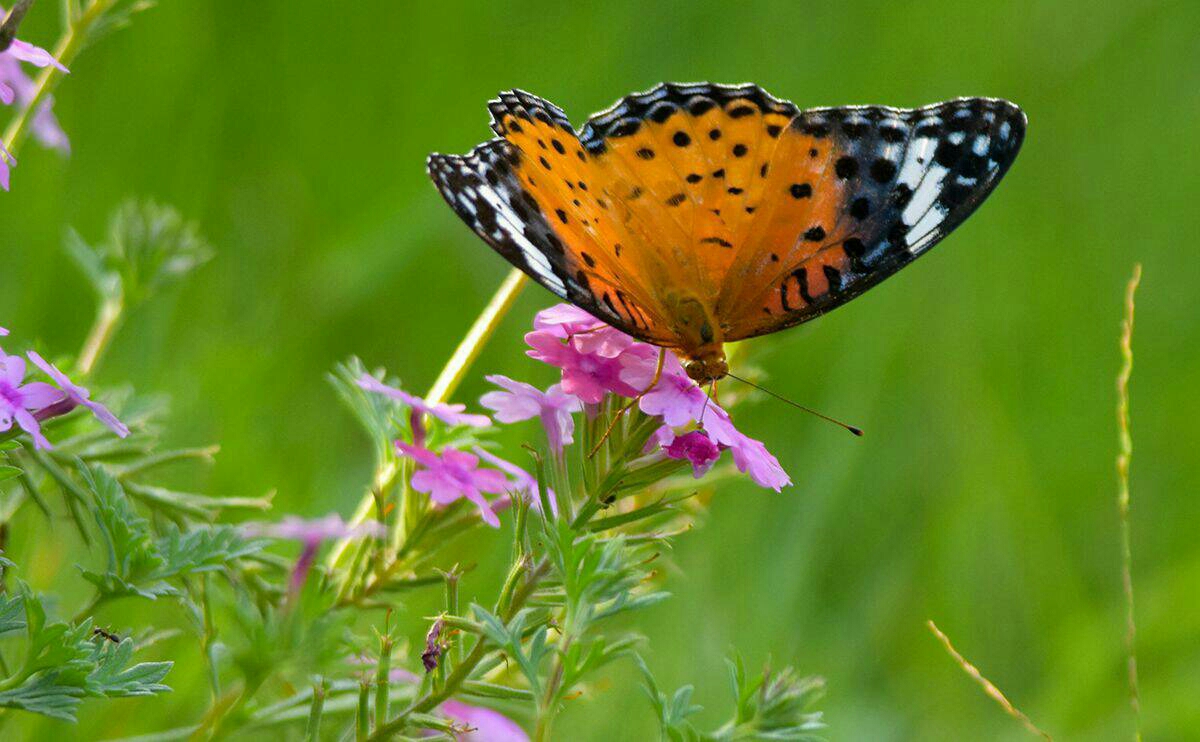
16,86
752,457
18,401
696,447
311,533
451,414
588,376
522,401
78,395
452,475
485,725
565,320
520,482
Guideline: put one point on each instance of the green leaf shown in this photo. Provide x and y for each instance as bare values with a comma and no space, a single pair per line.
9,472
149,246
12,613
114,678
201,549
133,555
44,695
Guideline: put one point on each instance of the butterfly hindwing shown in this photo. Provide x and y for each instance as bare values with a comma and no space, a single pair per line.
884,185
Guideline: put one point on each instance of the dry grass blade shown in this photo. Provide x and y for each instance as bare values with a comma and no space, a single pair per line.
988,686
1124,455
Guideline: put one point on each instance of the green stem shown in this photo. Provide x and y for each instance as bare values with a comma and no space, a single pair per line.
69,45
101,334
548,705
461,673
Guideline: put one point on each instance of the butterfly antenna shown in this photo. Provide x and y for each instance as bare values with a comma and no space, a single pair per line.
708,395
781,398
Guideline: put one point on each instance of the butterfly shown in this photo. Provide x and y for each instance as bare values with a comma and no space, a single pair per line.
692,215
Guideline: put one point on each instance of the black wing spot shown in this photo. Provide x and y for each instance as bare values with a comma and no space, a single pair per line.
846,167
800,190
883,170
681,139
677,199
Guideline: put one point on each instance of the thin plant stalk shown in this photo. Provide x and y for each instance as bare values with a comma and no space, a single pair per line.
1124,456
988,686
65,51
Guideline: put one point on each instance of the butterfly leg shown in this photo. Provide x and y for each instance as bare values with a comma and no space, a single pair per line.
662,357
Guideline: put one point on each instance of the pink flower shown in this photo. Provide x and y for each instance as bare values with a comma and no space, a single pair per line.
520,482
752,457
565,320
16,86
312,533
695,447
315,530
485,725
18,401
588,376
451,414
522,401
78,395
452,475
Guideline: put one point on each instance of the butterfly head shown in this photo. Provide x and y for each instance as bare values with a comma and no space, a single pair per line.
707,366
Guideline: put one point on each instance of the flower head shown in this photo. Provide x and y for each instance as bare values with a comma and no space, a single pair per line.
520,481
752,457
565,320
19,400
586,375
18,87
451,414
312,533
521,401
78,395
485,725
697,448
454,474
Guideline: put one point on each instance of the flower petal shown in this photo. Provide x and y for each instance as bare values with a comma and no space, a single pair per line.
35,55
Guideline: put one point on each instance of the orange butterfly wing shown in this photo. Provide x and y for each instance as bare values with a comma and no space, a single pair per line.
854,195
723,196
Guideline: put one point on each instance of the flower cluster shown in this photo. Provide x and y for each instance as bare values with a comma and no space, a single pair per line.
28,403
453,474
596,362
17,87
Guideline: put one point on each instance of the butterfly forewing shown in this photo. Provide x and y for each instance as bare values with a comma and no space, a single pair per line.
887,185
528,196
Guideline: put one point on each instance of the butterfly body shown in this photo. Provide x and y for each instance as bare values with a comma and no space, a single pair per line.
692,215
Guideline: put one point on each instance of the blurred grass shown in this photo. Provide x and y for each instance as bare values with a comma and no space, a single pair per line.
296,133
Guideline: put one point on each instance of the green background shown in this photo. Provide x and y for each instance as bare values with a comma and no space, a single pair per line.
983,495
